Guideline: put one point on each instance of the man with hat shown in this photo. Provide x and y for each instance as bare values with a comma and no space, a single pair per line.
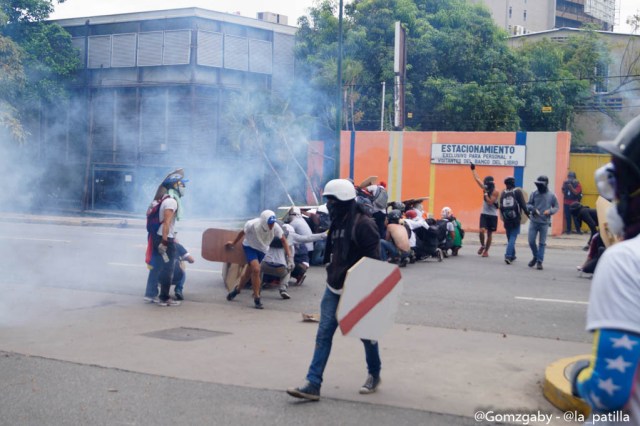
541,206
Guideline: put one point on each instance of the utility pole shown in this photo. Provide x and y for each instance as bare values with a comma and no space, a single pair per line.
384,83
339,96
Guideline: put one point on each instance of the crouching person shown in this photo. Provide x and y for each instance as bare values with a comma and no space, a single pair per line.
395,247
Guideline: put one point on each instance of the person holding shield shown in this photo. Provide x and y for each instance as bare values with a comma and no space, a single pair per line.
352,236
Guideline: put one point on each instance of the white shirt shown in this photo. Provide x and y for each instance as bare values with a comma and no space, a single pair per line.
168,204
614,302
302,228
260,242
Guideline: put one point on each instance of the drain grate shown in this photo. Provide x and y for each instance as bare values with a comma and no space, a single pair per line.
184,334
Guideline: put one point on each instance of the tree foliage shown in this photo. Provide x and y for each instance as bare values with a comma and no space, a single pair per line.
461,73
36,58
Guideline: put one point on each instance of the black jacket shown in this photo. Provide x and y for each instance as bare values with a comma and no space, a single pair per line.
364,241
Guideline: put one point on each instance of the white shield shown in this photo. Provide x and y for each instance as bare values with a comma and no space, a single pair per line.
369,300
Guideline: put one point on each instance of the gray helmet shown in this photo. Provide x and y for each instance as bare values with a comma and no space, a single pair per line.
394,216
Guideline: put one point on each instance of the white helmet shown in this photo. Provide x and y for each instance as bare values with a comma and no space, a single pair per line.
342,189
446,212
323,209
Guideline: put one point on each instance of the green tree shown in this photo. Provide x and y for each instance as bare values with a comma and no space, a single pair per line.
37,60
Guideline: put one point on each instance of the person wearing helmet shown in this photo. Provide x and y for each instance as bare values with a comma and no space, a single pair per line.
571,194
489,214
256,237
396,247
541,206
352,235
323,223
455,233
164,257
608,381
512,204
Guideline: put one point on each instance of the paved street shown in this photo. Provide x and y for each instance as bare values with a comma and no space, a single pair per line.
81,348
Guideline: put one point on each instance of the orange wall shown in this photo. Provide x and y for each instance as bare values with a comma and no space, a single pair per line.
410,174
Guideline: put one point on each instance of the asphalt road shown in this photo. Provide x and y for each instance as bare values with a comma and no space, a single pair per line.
466,293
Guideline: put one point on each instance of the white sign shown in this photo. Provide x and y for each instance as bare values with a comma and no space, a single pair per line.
481,155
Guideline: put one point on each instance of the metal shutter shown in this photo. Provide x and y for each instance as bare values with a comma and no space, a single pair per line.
260,56
177,47
283,61
150,48
124,50
236,53
210,49
99,51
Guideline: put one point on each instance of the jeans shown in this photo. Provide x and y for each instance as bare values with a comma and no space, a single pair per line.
324,339
536,228
154,271
512,234
388,249
317,257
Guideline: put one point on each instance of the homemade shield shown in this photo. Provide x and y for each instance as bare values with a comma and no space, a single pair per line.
370,298
213,246
602,207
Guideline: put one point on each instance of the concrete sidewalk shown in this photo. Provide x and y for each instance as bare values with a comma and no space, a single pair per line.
434,369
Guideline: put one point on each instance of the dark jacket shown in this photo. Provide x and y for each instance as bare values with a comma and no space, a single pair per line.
522,203
364,242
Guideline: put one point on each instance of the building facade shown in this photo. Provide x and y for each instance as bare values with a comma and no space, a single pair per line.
151,96
525,16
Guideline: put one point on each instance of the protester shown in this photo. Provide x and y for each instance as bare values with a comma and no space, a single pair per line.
396,247
163,254
352,235
587,215
301,226
512,205
256,237
541,206
608,381
455,233
379,198
571,193
489,214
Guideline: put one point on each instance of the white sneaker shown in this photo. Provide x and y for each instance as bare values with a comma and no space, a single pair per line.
151,299
169,302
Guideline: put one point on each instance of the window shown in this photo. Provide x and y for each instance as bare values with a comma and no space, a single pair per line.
525,15
510,11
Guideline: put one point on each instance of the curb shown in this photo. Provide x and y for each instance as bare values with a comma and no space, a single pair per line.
557,389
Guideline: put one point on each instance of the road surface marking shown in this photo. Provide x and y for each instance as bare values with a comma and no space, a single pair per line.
143,265
34,239
535,299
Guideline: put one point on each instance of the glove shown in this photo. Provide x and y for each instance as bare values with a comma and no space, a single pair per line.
290,265
162,249
473,166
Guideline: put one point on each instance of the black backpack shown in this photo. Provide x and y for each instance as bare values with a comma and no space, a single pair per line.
509,207
442,229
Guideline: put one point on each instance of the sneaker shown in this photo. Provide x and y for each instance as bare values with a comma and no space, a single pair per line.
370,385
257,303
480,250
151,299
507,260
439,255
169,302
532,263
308,391
404,262
539,265
485,253
179,295
284,294
232,294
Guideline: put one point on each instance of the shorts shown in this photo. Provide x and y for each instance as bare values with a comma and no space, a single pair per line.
252,254
488,222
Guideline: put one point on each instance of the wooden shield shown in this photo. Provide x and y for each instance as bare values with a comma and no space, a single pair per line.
213,246
369,300
602,207
368,181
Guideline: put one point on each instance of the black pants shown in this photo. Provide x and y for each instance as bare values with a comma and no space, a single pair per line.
167,270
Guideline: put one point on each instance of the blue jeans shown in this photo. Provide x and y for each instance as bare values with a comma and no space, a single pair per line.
317,258
512,235
388,249
154,273
536,228
324,339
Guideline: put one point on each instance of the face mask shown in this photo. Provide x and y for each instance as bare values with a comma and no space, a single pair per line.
614,221
181,190
606,181
542,188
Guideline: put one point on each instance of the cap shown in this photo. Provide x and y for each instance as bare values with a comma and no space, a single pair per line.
271,220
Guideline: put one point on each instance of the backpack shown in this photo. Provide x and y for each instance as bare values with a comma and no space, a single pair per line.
509,207
442,229
153,215
381,198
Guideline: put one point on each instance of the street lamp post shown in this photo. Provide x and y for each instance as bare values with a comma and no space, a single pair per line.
339,95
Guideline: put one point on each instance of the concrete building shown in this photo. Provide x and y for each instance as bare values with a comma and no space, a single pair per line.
151,93
618,93
525,16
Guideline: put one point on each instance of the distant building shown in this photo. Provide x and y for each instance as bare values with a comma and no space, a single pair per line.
623,103
525,16
150,96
